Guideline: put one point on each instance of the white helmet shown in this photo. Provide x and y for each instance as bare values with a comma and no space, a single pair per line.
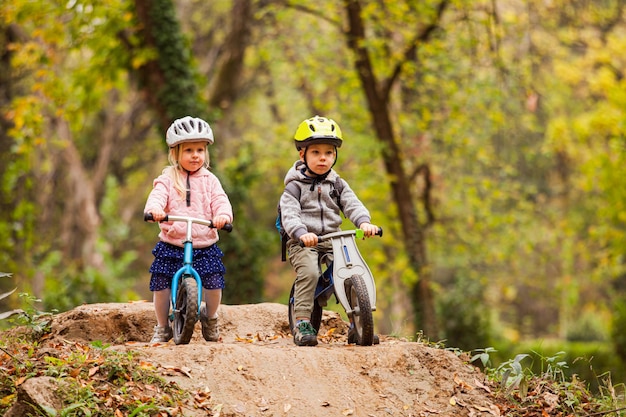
188,129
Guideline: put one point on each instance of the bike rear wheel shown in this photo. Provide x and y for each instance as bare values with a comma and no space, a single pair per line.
316,314
185,311
361,316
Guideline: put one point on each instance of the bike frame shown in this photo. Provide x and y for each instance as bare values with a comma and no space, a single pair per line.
347,261
187,268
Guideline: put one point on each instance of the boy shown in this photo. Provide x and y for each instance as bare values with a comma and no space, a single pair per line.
316,211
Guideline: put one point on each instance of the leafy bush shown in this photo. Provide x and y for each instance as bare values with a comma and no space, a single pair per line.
532,384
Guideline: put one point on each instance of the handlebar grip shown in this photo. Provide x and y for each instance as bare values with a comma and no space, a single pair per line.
380,232
147,217
228,227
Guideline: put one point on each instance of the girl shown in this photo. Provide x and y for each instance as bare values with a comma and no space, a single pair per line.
188,188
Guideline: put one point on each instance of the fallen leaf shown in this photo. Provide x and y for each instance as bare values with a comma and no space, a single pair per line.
493,410
243,339
7,400
462,384
481,385
184,370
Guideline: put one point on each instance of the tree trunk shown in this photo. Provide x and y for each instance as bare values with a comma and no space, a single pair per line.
414,232
167,81
226,83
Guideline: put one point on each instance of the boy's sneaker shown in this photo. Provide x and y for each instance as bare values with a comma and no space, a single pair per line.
210,331
162,334
305,334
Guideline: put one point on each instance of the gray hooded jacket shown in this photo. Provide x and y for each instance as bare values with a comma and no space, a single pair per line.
317,210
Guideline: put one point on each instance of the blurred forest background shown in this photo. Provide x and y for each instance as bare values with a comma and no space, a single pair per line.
487,138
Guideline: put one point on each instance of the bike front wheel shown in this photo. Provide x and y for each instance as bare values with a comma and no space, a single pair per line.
361,317
185,311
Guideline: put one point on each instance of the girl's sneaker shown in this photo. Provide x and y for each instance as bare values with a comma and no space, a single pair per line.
162,334
210,331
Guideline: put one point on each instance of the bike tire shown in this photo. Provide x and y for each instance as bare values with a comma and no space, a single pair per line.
361,317
291,312
316,314
186,311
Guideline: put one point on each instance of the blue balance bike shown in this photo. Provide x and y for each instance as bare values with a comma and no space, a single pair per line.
186,283
344,274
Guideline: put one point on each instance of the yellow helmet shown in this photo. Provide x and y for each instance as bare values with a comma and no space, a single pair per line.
318,130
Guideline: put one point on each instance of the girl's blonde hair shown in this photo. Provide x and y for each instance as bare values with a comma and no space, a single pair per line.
175,171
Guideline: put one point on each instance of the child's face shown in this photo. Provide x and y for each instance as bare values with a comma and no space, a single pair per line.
192,155
319,157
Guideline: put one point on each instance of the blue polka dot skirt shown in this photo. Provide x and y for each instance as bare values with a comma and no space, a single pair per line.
169,258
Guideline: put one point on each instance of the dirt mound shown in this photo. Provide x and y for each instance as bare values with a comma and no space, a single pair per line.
256,370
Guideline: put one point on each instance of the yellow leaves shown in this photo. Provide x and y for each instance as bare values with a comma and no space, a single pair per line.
8,400
253,338
143,56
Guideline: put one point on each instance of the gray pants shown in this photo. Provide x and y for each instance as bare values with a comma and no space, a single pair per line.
305,261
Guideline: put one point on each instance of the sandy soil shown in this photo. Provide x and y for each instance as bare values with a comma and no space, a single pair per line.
256,370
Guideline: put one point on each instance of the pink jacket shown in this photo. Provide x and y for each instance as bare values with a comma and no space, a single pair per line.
208,200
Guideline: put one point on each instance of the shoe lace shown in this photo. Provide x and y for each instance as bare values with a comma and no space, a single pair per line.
306,328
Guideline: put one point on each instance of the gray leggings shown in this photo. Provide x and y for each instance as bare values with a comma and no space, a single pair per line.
305,262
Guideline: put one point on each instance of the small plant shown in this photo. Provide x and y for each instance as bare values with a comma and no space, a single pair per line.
7,314
483,356
38,322
513,376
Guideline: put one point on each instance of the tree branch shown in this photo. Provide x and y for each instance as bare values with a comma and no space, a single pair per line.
411,51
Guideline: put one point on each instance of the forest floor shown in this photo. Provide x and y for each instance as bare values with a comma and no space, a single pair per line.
256,370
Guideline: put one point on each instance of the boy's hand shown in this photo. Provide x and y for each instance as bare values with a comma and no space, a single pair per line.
368,229
309,239
220,221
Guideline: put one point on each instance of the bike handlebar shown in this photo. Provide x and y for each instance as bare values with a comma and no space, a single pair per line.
357,232
147,217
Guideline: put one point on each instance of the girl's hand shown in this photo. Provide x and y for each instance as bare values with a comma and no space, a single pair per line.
369,229
220,221
157,214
